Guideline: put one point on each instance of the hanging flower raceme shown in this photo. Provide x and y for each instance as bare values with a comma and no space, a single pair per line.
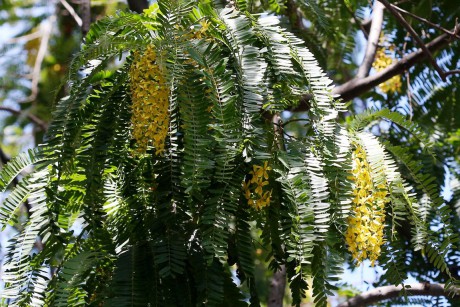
364,235
150,97
254,189
382,61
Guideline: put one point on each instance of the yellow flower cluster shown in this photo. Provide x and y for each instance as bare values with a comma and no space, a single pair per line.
364,235
382,61
150,97
204,27
254,188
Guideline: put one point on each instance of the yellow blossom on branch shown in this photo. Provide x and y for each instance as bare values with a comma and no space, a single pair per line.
364,234
254,190
150,101
382,61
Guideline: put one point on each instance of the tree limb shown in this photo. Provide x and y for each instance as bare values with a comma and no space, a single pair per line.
390,292
417,38
358,86
85,10
46,28
37,121
278,280
425,21
372,40
277,288
72,12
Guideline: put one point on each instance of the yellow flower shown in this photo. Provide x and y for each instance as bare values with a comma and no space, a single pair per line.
254,188
150,101
204,26
364,235
382,61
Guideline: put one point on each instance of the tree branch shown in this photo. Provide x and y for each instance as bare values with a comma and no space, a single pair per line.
37,121
85,10
372,41
414,34
72,12
47,27
389,292
277,288
358,86
425,21
278,280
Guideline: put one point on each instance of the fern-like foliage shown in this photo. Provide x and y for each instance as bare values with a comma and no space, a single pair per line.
114,225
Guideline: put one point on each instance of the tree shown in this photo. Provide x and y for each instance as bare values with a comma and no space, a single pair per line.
169,159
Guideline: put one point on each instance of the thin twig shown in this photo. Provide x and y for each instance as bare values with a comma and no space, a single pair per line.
47,26
37,121
358,22
72,12
373,40
425,21
415,36
27,37
294,120
452,72
409,96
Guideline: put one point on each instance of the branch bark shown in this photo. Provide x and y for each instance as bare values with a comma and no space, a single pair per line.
72,12
389,292
85,10
372,40
277,288
46,28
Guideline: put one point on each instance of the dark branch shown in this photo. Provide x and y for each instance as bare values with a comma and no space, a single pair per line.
452,72
85,16
138,6
277,288
390,292
415,36
372,41
425,21
37,121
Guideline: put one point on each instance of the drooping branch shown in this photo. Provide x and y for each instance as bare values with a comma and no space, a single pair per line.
372,41
390,292
357,86
37,121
